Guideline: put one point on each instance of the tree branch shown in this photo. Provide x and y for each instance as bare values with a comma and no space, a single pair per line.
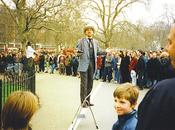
10,12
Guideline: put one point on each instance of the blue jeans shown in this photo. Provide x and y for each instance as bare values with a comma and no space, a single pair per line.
52,67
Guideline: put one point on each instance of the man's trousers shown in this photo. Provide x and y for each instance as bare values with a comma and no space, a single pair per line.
86,82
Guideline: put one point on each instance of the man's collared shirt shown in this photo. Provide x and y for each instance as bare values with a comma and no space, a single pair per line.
30,52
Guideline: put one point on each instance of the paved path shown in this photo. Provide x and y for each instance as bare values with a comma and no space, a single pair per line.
59,97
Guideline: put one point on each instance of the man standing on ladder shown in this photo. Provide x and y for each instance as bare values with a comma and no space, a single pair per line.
87,49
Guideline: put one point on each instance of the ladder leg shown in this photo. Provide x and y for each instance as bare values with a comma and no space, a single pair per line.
93,117
85,102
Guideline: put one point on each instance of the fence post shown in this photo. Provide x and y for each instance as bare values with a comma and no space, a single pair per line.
34,84
0,102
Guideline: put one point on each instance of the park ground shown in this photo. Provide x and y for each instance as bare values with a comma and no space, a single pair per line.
59,99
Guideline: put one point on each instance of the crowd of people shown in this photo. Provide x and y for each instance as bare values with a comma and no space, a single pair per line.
152,69
138,67
44,62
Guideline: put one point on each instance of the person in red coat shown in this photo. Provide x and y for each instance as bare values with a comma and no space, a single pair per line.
132,67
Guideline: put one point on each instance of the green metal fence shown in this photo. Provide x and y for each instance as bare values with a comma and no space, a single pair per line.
10,82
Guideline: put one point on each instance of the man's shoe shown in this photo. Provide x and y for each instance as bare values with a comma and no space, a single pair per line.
90,104
85,105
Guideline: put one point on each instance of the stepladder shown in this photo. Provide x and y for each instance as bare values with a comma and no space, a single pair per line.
79,114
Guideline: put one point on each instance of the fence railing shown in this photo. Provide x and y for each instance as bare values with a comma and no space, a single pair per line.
10,82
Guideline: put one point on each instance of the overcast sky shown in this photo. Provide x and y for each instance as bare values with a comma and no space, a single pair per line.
149,14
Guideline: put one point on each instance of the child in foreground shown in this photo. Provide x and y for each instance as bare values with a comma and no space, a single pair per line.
125,97
18,110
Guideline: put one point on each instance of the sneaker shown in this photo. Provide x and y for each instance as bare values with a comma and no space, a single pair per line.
115,82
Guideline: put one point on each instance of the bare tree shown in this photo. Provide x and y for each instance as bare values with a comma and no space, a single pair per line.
67,24
140,36
169,15
109,12
31,15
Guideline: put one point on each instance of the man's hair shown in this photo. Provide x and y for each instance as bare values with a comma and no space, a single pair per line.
127,91
89,27
28,43
18,110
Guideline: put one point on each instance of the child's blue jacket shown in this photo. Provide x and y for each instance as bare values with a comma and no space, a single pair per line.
126,122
